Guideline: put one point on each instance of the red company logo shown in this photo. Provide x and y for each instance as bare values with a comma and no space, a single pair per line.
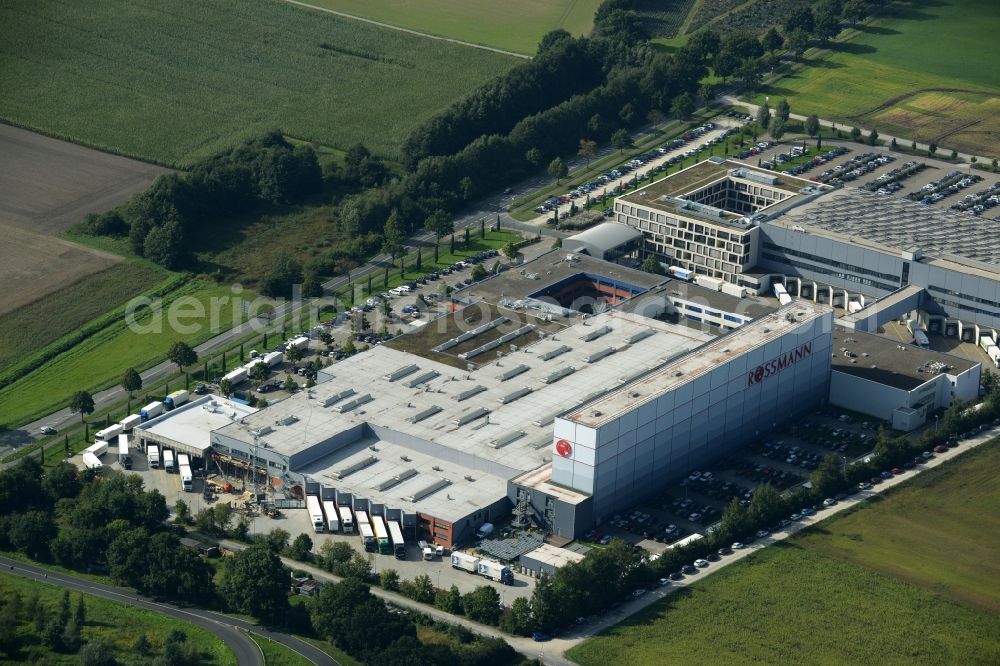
563,448
774,366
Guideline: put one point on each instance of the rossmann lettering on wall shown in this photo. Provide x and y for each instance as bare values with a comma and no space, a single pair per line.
776,365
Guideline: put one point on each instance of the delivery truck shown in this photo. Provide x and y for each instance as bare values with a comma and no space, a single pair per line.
367,537
236,376
346,520
315,513
332,517
168,461
90,461
301,342
487,568
151,411
109,433
153,456
130,422
176,399
273,358
98,448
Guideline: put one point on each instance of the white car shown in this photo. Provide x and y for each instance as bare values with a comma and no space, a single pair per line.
701,564
737,546
47,430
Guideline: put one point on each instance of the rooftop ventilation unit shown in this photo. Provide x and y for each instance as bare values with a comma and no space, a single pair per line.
468,393
559,374
469,417
506,439
261,431
287,420
337,397
549,355
354,402
428,491
755,176
641,335
513,372
596,333
468,335
547,420
422,379
597,356
356,467
493,344
511,397
396,480
399,374
424,414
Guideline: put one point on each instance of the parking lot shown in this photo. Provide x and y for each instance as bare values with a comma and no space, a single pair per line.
917,178
784,459
613,182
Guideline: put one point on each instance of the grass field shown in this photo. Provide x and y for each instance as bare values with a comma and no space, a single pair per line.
276,654
514,25
178,81
941,533
98,361
911,579
31,327
114,622
922,73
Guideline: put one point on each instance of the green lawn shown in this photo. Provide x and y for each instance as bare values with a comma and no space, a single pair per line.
174,82
942,532
31,327
276,654
98,361
911,579
110,621
906,74
514,25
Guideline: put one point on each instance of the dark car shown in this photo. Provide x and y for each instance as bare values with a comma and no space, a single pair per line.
677,575
540,636
127,462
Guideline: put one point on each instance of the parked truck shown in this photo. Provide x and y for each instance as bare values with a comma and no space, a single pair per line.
236,376
495,571
484,531
332,517
368,537
130,422
168,460
153,456
398,544
176,399
273,358
151,411
994,354
985,341
90,461
301,342
464,561
346,520
315,513
98,448
109,433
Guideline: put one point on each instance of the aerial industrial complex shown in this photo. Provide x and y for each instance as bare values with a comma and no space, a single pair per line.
844,246
568,389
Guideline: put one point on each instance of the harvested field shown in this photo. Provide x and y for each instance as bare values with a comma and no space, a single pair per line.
967,121
47,185
33,265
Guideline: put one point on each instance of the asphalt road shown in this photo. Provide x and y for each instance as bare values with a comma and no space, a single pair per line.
231,630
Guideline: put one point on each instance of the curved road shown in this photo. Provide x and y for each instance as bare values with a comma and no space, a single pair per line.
232,631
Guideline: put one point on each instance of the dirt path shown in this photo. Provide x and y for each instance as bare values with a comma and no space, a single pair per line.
407,30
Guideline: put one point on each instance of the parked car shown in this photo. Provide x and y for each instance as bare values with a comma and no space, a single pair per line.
700,563
540,636
47,430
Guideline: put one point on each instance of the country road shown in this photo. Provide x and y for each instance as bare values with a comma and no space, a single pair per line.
232,631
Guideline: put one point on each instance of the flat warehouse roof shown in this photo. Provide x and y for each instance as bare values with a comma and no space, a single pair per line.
554,557
693,365
891,362
191,424
500,414
409,480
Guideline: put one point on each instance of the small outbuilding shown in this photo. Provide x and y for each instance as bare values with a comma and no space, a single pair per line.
547,558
